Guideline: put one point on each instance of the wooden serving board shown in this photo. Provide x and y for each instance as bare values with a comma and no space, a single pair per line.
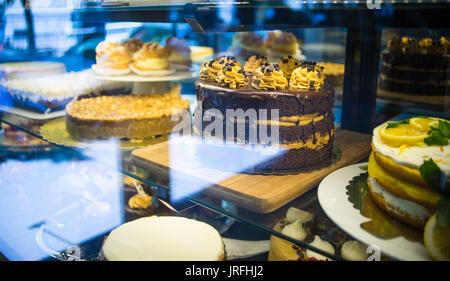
178,162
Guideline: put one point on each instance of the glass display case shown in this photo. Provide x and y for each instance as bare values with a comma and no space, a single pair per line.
290,130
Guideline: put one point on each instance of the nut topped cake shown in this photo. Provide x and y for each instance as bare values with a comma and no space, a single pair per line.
123,116
296,110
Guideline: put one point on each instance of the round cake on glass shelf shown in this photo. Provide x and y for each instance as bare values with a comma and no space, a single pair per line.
296,113
416,70
164,238
124,116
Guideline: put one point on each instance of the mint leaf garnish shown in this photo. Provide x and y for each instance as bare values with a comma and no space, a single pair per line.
443,213
396,124
444,128
436,138
438,135
434,177
364,168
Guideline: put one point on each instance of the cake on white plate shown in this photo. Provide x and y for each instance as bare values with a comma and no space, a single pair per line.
164,238
54,92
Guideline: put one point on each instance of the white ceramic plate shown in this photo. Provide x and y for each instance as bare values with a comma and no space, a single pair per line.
170,75
334,201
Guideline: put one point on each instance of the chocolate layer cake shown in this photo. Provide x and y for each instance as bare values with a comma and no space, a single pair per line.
304,122
418,69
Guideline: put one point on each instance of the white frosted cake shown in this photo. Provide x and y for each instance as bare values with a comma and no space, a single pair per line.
164,238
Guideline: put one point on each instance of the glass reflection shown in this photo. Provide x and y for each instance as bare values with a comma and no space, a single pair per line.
72,200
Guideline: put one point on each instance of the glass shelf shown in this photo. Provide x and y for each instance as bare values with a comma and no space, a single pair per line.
81,179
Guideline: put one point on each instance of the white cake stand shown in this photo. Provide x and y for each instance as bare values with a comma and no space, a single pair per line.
150,84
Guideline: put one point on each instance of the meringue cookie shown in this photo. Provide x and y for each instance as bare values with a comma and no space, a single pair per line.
295,230
294,214
354,251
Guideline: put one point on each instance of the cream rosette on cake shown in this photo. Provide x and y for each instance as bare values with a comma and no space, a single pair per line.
254,62
288,64
232,76
269,77
308,76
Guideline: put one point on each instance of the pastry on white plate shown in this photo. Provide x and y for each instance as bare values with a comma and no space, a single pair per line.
180,53
111,59
150,58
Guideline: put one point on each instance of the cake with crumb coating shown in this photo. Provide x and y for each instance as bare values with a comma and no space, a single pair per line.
289,98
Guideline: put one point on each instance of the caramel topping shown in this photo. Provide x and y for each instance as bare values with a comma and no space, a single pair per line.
253,63
309,76
269,77
139,202
126,107
232,76
287,65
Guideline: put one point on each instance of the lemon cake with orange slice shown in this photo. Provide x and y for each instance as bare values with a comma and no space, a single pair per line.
409,170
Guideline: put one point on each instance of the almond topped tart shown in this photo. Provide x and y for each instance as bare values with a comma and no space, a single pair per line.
124,116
